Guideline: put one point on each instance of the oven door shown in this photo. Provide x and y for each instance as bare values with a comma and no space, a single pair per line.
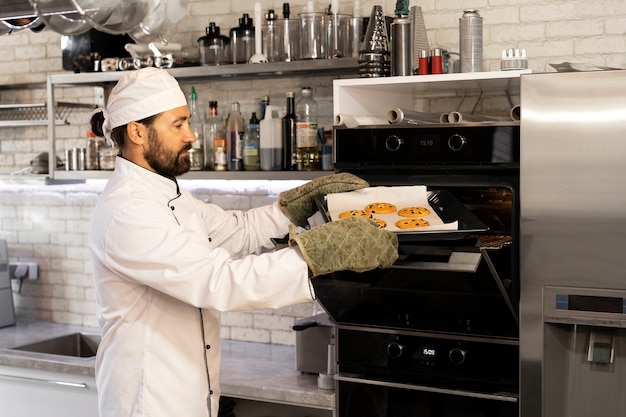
375,399
434,286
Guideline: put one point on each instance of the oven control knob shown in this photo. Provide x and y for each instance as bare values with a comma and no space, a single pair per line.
395,349
456,142
394,143
457,355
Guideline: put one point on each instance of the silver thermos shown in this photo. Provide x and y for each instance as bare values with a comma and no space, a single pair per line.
471,41
401,46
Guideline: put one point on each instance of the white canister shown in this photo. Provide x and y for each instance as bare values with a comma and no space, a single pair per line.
271,139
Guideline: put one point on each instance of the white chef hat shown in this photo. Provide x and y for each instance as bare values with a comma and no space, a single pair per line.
139,94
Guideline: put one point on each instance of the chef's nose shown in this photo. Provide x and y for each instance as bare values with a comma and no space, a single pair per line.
189,135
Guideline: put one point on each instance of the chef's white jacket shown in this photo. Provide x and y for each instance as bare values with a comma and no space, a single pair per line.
165,265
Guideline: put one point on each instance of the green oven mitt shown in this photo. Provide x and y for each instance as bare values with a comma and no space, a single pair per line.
353,244
298,204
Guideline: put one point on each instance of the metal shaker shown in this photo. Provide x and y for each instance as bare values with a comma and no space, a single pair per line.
471,41
374,55
401,46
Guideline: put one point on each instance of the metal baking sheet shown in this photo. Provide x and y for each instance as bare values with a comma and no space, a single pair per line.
449,210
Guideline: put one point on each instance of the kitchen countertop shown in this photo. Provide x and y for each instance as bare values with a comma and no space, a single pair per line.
253,371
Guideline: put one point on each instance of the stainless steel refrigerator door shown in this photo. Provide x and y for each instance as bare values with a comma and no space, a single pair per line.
573,201
7,311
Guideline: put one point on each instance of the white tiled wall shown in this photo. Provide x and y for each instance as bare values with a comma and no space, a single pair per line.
49,223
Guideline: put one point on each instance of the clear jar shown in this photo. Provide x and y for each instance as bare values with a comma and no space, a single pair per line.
220,160
196,159
106,157
94,143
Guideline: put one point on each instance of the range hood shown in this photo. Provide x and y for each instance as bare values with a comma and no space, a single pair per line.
17,9
143,20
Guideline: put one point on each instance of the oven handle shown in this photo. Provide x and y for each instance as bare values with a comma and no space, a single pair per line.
457,262
503,396
498,281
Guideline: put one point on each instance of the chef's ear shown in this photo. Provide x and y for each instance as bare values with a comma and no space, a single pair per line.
137,133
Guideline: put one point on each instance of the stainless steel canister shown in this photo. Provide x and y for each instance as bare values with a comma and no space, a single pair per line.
471,41
79,157
70,161
401,47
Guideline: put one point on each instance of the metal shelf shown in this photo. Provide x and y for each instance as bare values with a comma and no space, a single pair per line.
35,114
205,175
224,72
319,67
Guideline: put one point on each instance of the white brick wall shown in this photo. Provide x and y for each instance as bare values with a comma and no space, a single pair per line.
50,223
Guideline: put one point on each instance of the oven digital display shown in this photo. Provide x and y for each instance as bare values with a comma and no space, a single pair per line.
426,352
428,143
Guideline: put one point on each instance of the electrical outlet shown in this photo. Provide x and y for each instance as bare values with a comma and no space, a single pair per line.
23,269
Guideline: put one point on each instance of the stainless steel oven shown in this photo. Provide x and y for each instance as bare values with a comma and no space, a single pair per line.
437,333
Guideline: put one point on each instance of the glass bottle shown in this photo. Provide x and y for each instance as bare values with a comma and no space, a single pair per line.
213,130
307,149
196,123
94,143
289,134
251,160
234,138
220,158
265,101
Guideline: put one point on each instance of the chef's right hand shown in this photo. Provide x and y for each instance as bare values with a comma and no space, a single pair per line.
354,244
298,204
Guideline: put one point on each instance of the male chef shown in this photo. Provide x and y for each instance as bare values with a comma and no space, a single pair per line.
166,264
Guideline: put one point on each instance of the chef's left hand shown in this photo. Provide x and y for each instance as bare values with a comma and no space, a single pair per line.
298,204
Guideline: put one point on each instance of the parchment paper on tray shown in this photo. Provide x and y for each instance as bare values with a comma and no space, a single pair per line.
401,197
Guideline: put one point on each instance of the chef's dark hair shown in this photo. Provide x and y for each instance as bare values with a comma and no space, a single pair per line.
118,134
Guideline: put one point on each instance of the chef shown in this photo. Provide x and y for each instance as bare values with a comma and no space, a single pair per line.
166,264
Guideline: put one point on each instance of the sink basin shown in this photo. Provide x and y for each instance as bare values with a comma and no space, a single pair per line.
82,345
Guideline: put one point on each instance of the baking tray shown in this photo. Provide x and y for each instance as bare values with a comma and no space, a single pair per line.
449,210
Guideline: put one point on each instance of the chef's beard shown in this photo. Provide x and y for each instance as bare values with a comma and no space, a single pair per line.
165,161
